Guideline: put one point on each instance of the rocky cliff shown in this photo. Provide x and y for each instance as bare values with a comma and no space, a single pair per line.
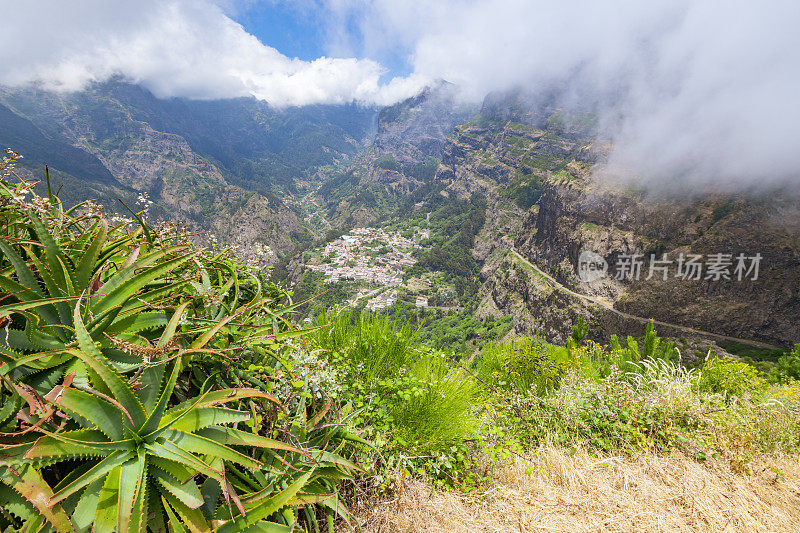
549,201
230,166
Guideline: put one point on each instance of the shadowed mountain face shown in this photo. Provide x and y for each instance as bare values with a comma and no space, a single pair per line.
224,165
21,133
418,127
548,201
252,173
258,146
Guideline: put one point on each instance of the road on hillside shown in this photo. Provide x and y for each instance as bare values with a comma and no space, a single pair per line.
643,320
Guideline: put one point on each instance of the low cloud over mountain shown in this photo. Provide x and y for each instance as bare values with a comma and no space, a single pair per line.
703,93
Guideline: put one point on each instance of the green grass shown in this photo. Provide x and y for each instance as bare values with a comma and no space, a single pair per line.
753,353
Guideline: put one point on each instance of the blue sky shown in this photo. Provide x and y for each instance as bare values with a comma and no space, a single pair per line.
292,31
308,31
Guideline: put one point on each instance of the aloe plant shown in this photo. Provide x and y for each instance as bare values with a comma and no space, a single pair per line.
121,398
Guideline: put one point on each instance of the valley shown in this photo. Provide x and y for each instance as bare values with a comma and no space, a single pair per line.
443,191
399,267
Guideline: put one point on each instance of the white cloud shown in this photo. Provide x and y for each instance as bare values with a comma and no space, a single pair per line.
703,90
175,48
698,92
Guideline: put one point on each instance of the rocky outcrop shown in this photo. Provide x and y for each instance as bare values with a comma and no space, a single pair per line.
549,200
418,127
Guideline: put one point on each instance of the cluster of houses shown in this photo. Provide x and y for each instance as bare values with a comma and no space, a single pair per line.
382,300
353,257
349,259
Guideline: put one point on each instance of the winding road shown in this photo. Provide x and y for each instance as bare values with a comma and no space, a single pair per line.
643,320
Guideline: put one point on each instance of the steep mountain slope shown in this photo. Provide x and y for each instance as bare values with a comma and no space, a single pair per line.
531,172
402,159
220,165
542,176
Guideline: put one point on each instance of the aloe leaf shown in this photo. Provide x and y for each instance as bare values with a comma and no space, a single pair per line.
24,306
73,443
11,406
52,287
265,508
95,360
83,515
178,471
85,268
14,505
202,417
20,292
139,512
156,519
24,273
154,418
328,457
150,385
309,498
105,517
96,472
187,492
101,413
132,324
217,397
210,490
192,518
55,257
168,450
28,483
16,339
208,335
143,300
201,445
132,480
175,525
169,332
125,283
237,437
268,527
335,506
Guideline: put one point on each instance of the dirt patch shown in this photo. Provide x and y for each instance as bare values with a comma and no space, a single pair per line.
589,493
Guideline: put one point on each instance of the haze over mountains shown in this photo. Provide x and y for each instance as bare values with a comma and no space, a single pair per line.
697,94
286,178
629,128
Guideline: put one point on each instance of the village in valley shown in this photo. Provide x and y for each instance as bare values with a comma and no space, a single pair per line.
374,259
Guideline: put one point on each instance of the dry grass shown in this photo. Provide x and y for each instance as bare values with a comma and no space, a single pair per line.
588,493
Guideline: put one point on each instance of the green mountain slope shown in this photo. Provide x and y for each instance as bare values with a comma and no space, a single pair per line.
229,166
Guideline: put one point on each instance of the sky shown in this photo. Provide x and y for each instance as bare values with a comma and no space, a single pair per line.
705,90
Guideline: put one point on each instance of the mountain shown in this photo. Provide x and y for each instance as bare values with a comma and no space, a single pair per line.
542,175
514,193
230,166
403,157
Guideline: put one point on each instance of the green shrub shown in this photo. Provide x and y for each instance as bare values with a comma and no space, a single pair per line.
652,347
434,406
372,347
388,162
412,403
730,377
122,375
579,330
525,366
787,368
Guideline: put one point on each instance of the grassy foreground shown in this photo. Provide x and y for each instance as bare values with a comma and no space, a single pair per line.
147,384
585,492
528,435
